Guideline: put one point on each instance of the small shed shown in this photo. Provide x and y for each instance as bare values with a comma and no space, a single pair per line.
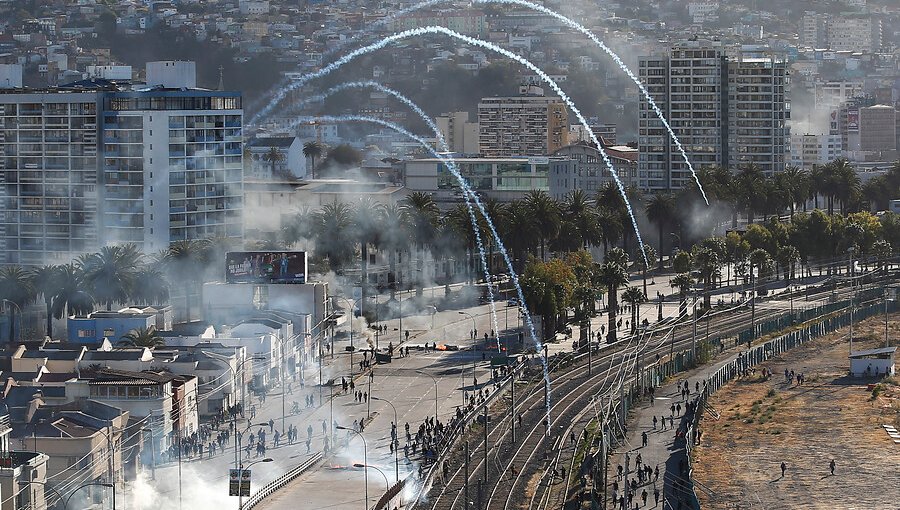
872,362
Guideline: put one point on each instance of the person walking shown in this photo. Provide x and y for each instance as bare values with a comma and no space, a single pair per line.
783,469
831,465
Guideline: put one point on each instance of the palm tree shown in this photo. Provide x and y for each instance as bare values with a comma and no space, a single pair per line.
496,211
788,256
661,210
313,151
366,230
46,281
298,226
645,265
794,181
708,265
394,237
612,275
748,185
762,261
142,337
423,214
634,297
17,289
273,156
846,183
109,274
70,297
458,221
519,232
683,282
150,287
184,262
334,222
545,214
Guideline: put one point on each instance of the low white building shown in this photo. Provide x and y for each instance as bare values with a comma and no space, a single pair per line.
290,161
873,362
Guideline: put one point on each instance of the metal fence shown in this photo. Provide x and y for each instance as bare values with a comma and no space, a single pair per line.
281,481
752,357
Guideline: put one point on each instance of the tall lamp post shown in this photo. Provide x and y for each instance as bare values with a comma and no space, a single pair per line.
434,380
474,328
350,305
387,485
397,427
365,461
241,472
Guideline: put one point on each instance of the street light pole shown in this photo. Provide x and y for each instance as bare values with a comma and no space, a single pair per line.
387,485
240,476
434,380
396,427
351,331
474,327
365,461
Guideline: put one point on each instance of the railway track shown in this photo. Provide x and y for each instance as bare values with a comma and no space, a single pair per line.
519,474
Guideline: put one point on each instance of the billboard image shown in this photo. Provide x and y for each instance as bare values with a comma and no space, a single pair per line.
265,267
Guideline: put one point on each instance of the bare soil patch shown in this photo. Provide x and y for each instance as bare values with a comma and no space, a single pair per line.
831,416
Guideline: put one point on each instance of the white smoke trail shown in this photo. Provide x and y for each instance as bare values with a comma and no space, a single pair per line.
576,26
468,193
572,24
483,44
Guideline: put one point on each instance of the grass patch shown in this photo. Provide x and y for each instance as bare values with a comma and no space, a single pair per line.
771,393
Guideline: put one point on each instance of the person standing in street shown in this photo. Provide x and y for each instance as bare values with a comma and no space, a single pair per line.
783,469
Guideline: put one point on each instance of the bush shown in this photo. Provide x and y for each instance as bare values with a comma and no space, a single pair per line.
771,393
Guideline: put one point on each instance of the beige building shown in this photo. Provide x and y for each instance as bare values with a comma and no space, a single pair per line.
22,474
528,125
460,134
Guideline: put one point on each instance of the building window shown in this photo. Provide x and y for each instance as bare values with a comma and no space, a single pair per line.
86,333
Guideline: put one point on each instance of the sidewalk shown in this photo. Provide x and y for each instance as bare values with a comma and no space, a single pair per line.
663,451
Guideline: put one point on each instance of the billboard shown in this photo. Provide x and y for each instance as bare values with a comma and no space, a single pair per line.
265,267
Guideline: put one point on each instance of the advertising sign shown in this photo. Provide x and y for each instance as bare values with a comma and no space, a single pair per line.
853,120
265,267
245,482
233,482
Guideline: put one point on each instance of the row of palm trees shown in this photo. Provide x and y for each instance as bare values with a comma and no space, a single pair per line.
115,274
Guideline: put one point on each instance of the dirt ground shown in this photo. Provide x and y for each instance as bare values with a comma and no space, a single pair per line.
766,422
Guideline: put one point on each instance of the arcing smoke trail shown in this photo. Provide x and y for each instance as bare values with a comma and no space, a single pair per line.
573,24
576,26
483,44
468,193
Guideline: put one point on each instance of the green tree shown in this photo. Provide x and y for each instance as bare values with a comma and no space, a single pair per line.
423,219
109,274
274,156
545,214
612,275
184,263
660,211
334,222
16,289
708,266
683,282
46,281
150,287
634,297
142,337
313,151
682,261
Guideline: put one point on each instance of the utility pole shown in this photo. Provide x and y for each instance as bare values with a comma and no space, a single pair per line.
485,442
512,410
466,475
694,332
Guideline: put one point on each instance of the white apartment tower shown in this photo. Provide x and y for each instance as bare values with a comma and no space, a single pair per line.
172,166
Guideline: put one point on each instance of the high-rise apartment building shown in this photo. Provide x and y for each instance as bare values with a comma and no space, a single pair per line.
725,112
527,125
757,113
98,162
48,175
